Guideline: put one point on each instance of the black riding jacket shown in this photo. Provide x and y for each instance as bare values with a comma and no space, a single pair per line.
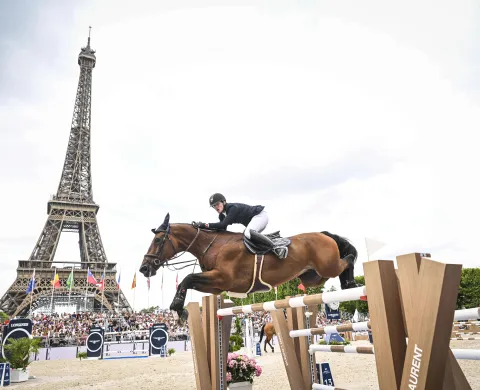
236,213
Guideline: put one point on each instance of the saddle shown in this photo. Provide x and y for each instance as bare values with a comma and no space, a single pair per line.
260,244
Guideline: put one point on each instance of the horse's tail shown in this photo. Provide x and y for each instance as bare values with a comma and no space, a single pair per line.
261,333
346,249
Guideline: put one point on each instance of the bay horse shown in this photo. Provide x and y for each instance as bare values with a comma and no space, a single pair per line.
269,331
227,265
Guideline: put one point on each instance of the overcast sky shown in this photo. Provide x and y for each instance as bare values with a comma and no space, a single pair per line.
360,118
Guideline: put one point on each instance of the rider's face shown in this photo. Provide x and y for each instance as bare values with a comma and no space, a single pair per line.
218,207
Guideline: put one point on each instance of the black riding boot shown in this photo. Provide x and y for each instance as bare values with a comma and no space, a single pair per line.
261,239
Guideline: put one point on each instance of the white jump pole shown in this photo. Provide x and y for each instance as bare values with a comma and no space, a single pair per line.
462,354
467,354
354,327
317,386
467,314
352,294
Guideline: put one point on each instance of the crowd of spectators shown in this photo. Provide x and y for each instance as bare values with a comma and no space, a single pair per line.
72,329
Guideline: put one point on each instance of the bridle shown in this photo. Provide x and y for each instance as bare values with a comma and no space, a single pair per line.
166,238
157,260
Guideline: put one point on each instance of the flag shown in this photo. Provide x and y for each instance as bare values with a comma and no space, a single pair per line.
134,283
373,246
32,283
70,280
148,283
177,282
90,278
56,281
302,287
101,285
118,281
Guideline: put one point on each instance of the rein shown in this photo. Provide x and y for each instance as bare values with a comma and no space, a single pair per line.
172,267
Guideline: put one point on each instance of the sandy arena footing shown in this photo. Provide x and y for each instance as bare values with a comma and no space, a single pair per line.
176,372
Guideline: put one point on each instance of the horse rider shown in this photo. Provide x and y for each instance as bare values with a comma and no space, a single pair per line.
252,217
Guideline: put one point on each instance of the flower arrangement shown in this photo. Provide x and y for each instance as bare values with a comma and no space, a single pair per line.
241,368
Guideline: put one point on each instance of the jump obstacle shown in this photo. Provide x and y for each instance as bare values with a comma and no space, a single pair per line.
417,301
98,348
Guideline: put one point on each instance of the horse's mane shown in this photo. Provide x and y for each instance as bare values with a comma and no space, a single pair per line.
211,231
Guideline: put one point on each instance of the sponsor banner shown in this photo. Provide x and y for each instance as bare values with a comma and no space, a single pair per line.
16,329
158,340
332,311
94,343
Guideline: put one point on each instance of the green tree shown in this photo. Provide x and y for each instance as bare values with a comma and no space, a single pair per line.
236,339
3,316
350,306
469,291
149,309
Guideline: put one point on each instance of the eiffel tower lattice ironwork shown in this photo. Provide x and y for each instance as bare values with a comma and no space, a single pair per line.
72,209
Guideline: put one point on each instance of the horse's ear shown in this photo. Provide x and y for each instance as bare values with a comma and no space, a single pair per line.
164,226
154,231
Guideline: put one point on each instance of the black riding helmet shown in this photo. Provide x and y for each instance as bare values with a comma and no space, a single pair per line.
215,198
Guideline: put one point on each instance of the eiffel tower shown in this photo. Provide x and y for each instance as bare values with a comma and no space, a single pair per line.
72,209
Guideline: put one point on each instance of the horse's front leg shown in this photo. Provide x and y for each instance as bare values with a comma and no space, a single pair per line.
206,282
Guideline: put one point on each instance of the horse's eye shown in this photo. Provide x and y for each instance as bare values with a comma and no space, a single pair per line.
157,240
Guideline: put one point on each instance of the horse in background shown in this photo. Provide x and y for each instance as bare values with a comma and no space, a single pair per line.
268,330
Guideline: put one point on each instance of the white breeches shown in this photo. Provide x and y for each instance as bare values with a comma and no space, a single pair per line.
258,223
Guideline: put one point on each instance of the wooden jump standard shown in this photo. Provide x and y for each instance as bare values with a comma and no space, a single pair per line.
428,291
385,311
417,300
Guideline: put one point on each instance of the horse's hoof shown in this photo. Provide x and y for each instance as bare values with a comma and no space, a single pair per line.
183,316
179,314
